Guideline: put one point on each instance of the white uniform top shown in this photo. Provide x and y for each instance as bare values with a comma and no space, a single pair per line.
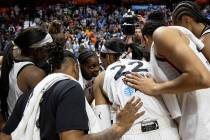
119,93
206,32
87,85
195,120
14,91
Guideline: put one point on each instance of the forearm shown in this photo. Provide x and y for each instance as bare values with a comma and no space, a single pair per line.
182,84
113,133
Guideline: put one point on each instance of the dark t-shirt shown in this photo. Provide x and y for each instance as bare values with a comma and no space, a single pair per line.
61,109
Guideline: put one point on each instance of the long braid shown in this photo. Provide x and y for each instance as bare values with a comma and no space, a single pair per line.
189,8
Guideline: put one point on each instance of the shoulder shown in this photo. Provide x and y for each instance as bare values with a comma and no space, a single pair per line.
33,74
168,37
99,80
66,87
33,71
165,31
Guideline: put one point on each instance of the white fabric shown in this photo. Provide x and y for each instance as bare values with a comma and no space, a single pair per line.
103,113
14,91
161,134
170,100
119,93
191,36
106,50
195,121
27,129
47,39
94,122
94,125
206,32
87,85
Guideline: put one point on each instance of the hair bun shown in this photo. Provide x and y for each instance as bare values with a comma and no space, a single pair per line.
156,16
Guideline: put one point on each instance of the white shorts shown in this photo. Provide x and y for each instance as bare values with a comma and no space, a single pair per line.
167,131
164,134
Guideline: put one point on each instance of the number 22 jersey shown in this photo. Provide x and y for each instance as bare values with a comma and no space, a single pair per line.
119,93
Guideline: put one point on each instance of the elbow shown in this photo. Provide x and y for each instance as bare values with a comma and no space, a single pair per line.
204,80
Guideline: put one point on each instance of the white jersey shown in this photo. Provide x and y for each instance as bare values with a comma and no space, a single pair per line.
119,93
14,91
194,124
206,32
87,85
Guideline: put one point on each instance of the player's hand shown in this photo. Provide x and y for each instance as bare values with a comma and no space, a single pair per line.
143,83
127,116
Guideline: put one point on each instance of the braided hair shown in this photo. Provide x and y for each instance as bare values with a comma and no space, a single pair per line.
84,55
191,9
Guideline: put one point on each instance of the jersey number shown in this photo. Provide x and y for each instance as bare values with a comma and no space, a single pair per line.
121,71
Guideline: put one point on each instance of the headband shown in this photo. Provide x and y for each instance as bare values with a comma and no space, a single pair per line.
106,50
46,40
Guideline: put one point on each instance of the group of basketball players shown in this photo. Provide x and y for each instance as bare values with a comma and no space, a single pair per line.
173,85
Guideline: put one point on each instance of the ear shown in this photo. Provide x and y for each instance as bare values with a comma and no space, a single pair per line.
76,67
76,70
186,19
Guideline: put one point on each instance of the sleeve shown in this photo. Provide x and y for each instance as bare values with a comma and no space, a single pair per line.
71,113
16,115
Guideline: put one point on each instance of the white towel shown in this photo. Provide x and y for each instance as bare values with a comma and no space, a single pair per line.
27,129
169,99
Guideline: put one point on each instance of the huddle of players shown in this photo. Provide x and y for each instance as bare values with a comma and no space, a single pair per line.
168,85
174,74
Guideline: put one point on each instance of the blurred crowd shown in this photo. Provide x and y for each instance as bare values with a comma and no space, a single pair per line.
84,26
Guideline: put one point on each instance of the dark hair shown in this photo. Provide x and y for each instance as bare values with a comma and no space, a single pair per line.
116,45
28,37
191,9
154,20
85,54
68,54
23,41
55,27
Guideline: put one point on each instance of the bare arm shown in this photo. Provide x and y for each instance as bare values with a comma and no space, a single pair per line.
206,50
29,77
99,96
174,47
5,136
125,119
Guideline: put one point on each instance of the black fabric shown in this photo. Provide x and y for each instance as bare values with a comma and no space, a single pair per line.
23,68
61,109
205,29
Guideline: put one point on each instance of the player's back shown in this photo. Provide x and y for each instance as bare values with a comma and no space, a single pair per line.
156,115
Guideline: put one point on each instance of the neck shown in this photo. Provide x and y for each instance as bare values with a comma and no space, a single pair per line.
65,72
198,29
22,57
86,77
